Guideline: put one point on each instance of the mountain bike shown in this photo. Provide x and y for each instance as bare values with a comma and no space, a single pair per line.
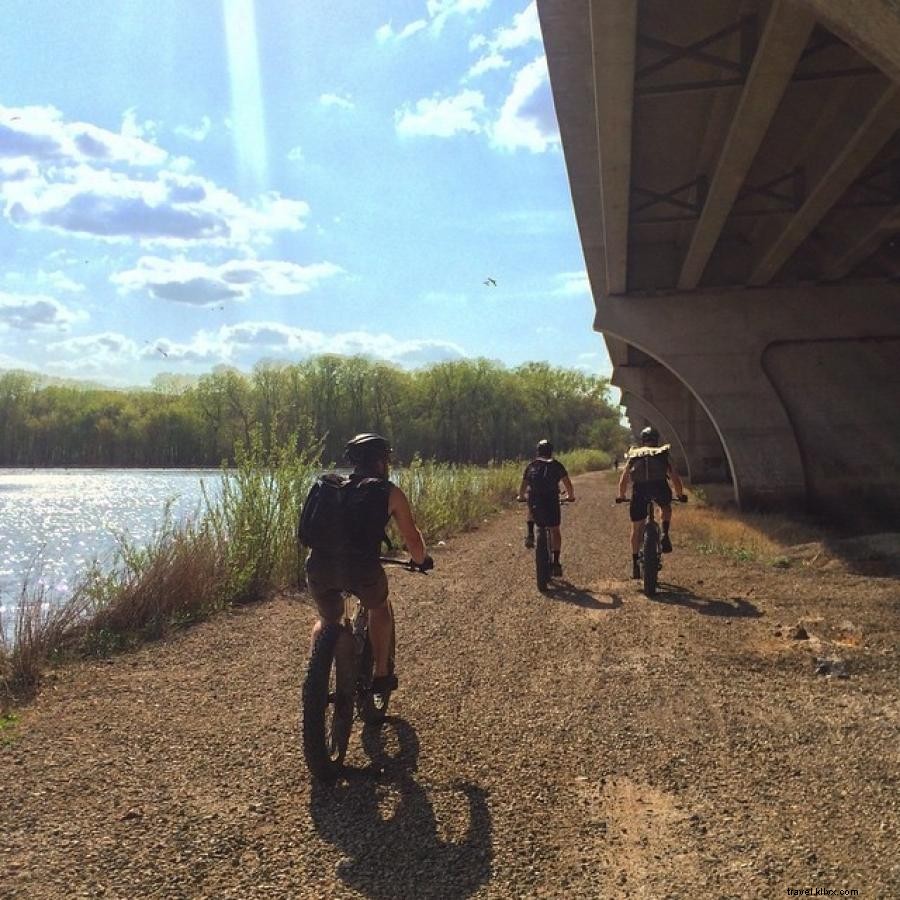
338,681
650,552
543,552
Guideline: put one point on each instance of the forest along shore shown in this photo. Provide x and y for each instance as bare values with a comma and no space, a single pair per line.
584,743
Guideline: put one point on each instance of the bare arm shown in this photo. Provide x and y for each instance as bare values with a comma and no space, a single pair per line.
624,480
676,481
523,488
398,507
567,484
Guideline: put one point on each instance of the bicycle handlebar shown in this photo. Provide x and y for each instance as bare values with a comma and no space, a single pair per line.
562,499
674,499
409,564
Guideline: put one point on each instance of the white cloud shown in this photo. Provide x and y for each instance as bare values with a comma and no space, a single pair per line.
77,178
527,119
295,154
30,311
525,28
487,64
386,33
438,117
199,133
200,284
336,100
441,10
572,284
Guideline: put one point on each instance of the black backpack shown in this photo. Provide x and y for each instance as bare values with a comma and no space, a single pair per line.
345,517
543,477
648,464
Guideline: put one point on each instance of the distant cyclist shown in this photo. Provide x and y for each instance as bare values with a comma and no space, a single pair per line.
649,471
349,561
540,487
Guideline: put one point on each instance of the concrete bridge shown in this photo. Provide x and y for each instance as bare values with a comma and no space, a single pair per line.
735,173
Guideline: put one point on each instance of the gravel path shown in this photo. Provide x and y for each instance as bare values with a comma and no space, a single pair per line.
588,743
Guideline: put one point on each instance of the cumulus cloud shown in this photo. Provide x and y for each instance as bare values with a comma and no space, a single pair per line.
386,33
336,100
40,133
572,284
441,117
171,208
198,133
524,29
27,312
527,118
439,11
295,154
79,179
200,284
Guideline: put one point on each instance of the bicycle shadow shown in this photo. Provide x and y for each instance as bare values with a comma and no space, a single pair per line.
384,823
568,592
677,595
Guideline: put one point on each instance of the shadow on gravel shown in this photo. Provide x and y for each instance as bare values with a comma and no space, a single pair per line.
384,823
565,590
707,606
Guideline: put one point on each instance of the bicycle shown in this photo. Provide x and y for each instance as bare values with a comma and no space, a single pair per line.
543,553
338,679
650,552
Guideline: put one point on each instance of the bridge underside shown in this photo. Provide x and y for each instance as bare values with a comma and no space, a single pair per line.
735,171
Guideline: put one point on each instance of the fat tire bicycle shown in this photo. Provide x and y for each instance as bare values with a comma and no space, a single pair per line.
339,681
650,552
543,553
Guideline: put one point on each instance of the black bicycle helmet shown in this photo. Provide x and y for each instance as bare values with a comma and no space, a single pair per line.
650,437
365,447
544,449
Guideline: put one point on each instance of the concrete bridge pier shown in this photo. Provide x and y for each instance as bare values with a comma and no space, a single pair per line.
801,386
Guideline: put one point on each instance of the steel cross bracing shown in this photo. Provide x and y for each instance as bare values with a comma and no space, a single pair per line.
748,29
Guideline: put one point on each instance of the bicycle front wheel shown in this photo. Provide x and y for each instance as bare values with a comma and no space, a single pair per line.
542,559
650,559
327,705
373,707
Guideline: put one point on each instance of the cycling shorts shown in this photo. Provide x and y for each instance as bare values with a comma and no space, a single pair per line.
642,493
545,511
328,577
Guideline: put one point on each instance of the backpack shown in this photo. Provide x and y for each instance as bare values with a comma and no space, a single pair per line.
543,477
648,463
344,516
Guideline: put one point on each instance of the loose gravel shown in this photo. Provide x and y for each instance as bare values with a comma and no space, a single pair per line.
584,743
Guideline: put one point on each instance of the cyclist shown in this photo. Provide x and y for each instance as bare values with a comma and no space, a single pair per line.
540,486
649,470
357,570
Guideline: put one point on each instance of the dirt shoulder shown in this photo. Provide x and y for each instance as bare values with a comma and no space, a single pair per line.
586,743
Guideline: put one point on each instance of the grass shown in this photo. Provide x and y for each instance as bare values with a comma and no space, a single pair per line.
741,536
237,549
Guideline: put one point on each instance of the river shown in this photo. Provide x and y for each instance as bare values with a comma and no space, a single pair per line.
55,522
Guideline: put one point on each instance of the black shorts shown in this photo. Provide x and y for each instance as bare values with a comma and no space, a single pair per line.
642,493
545,511
328,578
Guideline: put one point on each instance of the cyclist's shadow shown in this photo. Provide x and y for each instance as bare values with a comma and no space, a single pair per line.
387,829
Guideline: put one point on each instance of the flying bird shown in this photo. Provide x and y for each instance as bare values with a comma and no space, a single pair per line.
160,350
490,282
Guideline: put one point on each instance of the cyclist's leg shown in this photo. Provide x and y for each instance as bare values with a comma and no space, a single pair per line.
664,501
555,538
326,593
371,586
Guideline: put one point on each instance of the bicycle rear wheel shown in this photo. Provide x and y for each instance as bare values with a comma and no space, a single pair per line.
327,706
650,559
373,707
542,559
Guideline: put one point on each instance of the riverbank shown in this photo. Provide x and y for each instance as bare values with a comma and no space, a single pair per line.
585,743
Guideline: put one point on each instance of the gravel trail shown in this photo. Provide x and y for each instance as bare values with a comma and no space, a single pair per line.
584,743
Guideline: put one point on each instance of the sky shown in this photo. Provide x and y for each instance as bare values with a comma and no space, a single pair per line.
186,184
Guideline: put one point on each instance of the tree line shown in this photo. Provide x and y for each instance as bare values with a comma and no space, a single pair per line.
466,411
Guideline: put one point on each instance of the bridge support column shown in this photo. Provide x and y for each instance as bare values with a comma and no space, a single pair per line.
801,385
658,387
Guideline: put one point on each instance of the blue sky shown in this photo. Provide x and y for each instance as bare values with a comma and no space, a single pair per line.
188,184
